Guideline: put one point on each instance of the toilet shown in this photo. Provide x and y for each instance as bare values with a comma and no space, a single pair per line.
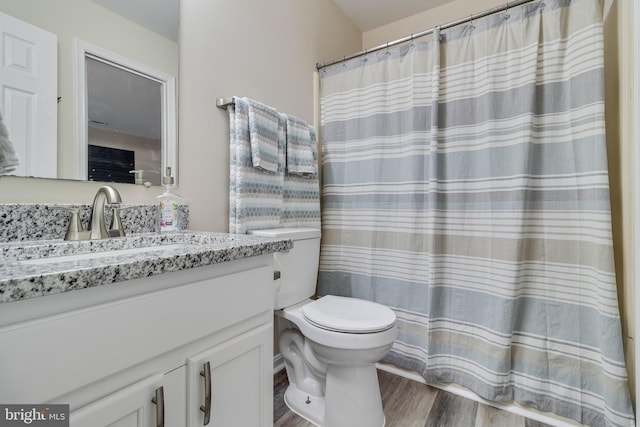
329,345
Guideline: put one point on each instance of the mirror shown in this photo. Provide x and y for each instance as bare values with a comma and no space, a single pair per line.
131,45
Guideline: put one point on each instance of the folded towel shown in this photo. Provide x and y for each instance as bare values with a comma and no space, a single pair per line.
301,147
263,130
8,157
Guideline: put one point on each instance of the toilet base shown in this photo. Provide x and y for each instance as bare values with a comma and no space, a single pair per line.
355,399
296,400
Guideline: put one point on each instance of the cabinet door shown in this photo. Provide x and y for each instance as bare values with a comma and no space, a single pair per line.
155,401
238,375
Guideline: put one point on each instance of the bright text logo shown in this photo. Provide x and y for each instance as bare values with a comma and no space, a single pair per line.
34,415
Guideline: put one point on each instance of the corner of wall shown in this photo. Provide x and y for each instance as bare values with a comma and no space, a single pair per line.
618,47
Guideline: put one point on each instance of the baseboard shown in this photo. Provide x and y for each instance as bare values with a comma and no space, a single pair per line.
278,363
544,417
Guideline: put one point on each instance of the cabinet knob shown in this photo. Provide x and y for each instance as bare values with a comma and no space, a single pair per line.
158,400
206,408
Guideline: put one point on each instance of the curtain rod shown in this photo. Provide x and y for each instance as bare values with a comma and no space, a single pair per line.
487,12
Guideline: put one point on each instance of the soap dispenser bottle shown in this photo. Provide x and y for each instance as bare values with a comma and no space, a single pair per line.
168,203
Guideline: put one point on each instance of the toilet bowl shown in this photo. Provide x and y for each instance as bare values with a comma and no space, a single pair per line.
344,361
329,345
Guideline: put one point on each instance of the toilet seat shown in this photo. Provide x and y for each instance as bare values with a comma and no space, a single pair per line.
349,315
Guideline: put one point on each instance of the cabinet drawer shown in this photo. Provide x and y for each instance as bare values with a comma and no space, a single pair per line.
52,356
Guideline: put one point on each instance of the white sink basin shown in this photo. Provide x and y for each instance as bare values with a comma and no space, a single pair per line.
109,253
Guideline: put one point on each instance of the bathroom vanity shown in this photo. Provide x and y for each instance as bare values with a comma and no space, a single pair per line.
145,330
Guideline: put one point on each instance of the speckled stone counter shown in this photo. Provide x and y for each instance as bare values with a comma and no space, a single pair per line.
43,221
30,269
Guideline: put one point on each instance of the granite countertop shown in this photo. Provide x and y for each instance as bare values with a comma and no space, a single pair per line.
30,269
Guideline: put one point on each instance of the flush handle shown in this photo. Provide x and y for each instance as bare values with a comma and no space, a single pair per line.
158,400
206,408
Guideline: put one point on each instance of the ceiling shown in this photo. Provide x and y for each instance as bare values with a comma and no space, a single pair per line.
159,16
162,16
370,14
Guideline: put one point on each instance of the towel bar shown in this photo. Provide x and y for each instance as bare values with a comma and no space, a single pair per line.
225,102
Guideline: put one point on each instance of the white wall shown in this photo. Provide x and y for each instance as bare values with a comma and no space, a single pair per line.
266,50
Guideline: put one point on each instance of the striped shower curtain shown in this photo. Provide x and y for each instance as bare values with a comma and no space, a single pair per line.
465,186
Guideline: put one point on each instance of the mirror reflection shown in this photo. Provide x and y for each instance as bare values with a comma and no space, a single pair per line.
144,31
124,119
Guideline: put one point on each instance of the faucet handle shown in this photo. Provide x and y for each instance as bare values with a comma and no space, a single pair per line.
116,229
75,231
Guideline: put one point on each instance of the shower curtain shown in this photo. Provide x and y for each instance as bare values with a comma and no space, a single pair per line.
465,186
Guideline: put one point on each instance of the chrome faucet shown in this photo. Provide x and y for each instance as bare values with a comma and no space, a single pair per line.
98,227
105,194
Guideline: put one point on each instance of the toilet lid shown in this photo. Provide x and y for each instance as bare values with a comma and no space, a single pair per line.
352,315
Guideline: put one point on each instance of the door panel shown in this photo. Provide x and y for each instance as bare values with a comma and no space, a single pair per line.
241,382
130,407
28,94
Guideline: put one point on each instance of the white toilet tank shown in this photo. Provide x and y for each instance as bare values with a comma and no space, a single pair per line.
298,267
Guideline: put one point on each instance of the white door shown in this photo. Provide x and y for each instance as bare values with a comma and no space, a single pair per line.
28,94
231,385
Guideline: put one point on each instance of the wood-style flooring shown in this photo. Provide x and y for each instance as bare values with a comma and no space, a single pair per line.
408,403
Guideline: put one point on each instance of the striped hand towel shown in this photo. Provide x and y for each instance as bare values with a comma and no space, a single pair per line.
301,149
263,129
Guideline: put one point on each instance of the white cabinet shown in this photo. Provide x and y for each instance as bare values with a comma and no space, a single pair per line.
232,382
106,350
153,401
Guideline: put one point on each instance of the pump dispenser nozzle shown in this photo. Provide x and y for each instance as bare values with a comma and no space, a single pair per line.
138,176
167,179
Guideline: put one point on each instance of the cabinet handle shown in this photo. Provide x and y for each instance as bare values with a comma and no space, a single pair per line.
158,400
206,408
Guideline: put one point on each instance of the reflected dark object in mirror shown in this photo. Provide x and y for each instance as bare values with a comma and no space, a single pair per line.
108,164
